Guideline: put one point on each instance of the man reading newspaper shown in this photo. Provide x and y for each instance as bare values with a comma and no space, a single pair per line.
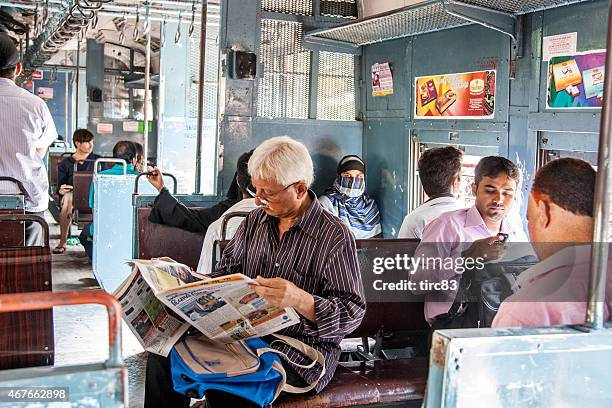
301,257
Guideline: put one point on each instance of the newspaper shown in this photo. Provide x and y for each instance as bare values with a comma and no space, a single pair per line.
225,309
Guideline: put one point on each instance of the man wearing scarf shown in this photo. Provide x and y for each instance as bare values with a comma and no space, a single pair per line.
347,199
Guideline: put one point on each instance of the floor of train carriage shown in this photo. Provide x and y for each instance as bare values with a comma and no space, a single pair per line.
81,332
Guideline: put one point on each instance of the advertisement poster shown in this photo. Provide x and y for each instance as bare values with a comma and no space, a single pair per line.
467,95
45,93
382,79
576,81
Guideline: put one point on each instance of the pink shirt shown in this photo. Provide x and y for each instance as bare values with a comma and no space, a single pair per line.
447,237
553,292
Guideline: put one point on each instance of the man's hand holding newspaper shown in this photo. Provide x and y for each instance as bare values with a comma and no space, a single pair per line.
225,309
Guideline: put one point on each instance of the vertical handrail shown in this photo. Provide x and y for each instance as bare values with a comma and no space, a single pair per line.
147,85
601,205
202,76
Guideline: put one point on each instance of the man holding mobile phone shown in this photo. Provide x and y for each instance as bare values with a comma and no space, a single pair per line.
84,158
479,232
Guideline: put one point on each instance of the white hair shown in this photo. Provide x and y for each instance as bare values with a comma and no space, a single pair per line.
282,160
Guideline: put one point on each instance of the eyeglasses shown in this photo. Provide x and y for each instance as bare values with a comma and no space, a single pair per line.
251,190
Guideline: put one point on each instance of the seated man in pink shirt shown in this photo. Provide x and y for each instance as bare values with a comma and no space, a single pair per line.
560,215
474,232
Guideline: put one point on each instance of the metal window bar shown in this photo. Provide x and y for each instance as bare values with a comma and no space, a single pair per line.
336,86
284,85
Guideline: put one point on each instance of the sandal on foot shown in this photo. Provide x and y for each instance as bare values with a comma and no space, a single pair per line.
59,250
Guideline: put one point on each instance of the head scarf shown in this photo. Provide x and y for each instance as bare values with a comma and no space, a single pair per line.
353,205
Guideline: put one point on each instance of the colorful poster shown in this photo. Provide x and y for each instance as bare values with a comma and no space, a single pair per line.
382,79
576,81
28,86
466,95
45,93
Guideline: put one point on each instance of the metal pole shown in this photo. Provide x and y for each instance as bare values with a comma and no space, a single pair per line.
203,18
147,94
601,205
76,86
66,94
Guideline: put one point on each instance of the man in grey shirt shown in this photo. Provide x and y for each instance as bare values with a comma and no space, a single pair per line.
26,133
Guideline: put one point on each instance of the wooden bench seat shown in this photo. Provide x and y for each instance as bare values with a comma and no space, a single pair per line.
368,383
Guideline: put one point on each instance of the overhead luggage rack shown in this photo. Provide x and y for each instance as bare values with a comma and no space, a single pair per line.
433,15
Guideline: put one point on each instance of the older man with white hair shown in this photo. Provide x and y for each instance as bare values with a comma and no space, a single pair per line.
302,257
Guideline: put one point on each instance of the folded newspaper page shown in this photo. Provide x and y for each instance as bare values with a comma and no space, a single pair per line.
225,309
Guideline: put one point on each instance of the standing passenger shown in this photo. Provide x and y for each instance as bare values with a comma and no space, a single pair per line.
469,232
560,215
84,158
26,131
347,199
440,175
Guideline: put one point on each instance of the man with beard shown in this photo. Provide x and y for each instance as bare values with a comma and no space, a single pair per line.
477,233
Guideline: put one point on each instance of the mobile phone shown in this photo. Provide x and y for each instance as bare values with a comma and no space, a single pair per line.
504,238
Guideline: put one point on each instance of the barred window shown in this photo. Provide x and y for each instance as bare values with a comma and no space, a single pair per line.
284,87
336,86
299,7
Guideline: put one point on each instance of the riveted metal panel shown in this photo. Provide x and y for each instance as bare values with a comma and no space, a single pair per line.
336,86
284,85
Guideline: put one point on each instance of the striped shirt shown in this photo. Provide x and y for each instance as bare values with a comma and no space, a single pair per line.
318,255
27,125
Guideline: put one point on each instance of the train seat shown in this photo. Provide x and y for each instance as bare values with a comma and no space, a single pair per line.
154,240
26,269
80,198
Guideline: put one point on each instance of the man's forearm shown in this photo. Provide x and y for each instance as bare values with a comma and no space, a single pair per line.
307,307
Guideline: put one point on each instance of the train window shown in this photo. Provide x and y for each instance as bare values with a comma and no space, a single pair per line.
284,88
336,86
471,157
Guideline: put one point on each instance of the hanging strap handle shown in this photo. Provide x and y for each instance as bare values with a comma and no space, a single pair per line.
315,355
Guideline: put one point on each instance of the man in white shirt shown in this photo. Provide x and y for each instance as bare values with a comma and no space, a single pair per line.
440,175
247,204
26,133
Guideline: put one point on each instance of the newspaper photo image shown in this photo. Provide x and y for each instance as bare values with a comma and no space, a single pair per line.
161,298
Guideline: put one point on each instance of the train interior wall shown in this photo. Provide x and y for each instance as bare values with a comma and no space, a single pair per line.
521,122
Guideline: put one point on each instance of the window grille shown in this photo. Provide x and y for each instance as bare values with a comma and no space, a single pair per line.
299,7
284,86
211,72
336,86
339,8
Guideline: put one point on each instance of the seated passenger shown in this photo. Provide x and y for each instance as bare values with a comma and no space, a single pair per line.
302,256
83,140
168,210
470,232
440,175
139,166
347,199
560,215
247,204
125,150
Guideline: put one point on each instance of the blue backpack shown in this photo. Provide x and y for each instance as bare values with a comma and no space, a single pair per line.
250,369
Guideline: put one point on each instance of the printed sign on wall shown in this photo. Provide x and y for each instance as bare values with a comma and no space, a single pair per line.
576,81
466,95
382,79
45,93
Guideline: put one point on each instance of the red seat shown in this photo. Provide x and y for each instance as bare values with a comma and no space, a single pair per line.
26,269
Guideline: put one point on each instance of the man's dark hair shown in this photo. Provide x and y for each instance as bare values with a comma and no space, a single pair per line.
125,150
438,168
8,72
570,184
139,151
493,166
82,135
242,172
